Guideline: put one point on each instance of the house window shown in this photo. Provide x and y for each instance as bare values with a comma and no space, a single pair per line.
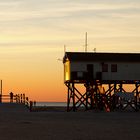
113,67
104,67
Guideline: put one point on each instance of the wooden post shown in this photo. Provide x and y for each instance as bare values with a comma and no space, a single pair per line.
115,87
21,98
121,88
16,98
73,97
31,106
1,93
87,95
0,98
68,98
11,97
24,98
27,101
137,95
91,95
97,96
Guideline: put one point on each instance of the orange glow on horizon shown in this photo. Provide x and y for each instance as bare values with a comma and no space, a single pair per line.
33,34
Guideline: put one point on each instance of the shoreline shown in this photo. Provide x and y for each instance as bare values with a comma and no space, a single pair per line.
49,108
81,109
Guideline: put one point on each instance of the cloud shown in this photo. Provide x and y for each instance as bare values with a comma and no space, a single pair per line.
34,22
34,9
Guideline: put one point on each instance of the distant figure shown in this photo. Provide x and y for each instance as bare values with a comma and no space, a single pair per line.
11,97
34,103
26,101
31,106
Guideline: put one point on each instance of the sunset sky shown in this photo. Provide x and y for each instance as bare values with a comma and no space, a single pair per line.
33,34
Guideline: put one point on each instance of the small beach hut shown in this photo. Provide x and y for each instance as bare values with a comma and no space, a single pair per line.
105,67
93,69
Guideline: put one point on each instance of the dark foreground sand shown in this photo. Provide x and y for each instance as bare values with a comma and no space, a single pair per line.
59,125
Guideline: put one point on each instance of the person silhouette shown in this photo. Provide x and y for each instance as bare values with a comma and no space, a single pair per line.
11,97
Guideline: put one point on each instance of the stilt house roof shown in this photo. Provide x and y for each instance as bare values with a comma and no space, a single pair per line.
101,57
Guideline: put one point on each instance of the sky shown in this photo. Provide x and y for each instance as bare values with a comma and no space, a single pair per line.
33,34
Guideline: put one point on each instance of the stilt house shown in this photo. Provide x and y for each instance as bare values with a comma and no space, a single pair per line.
105,67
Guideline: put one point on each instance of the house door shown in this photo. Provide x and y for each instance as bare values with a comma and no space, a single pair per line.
90,71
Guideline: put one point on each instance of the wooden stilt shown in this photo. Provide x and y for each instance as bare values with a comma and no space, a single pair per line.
93,99
1,93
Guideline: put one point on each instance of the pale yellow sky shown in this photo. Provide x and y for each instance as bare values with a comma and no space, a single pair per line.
33,33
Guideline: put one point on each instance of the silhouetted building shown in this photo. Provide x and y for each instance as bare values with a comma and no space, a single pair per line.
105,67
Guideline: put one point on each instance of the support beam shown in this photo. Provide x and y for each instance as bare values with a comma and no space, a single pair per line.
1,93
93,96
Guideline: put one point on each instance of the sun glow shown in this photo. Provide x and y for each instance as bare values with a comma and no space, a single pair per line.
34,32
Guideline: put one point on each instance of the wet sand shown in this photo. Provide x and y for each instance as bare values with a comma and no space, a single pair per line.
61,125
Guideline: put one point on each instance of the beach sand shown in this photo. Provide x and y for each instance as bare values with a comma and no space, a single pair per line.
61,125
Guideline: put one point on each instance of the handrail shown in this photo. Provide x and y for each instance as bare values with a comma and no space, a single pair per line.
17,98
